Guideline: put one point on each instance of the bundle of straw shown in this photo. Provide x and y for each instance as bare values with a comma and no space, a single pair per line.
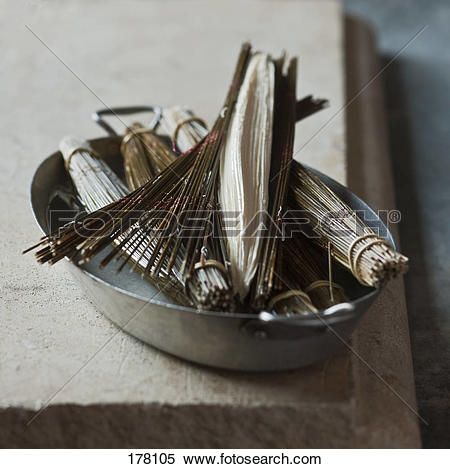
304,269
144,155
97,185
184,128
370,258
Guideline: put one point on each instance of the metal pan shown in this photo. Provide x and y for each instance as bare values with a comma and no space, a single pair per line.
232,341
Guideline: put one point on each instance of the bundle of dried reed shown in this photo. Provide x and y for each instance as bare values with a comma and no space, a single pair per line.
184,128
96,183
304,269
144,155
97,186
370,258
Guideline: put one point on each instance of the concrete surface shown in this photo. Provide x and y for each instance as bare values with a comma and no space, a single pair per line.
417,87
103,387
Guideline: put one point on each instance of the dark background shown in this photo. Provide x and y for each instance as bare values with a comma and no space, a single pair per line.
417,90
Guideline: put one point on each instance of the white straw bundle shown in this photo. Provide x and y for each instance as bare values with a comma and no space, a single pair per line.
245,168
371,259
185,129
96,183
98,186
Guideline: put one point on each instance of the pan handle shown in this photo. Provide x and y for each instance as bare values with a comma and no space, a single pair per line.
122,111
269,326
